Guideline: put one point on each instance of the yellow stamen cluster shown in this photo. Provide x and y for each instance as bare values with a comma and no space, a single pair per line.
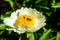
24,20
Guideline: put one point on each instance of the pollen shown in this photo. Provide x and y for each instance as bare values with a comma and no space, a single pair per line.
24,20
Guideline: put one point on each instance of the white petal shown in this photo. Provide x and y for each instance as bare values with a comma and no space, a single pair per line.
13,15
22,29
9,21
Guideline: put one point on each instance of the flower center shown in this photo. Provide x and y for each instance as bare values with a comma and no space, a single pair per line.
24,20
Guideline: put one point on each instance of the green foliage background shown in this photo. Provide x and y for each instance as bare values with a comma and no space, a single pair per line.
50,8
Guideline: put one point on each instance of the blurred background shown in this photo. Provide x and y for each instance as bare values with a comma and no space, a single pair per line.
49,8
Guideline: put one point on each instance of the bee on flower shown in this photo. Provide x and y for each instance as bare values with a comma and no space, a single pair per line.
25,20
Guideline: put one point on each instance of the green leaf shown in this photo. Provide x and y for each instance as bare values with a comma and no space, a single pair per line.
3,39
58,36
6,0
7,14
51,38
9,31
48,13
1,17
11,3
53,2
57,5
19,38
45,30
45,7
38,1
2,26
30,36
1,32
23,36
27,0
43,37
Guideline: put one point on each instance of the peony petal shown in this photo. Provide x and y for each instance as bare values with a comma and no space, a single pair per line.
9,21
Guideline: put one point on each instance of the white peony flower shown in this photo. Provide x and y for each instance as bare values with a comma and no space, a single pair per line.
25,20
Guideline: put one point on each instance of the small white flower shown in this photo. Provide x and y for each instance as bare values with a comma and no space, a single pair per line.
25,20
